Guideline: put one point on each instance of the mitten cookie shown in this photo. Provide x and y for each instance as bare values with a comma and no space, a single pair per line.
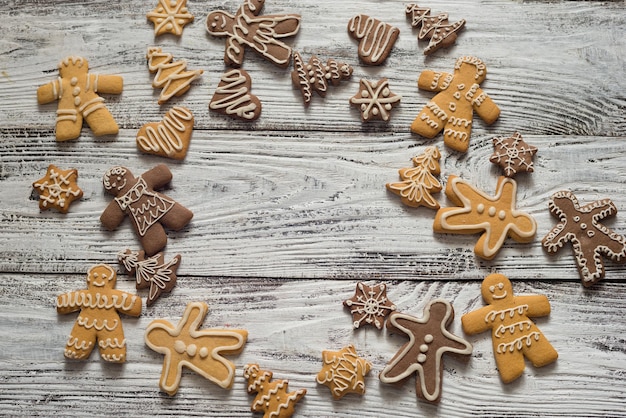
376,38
77,92
149,210
168,138
232,97
98,323
58,189
513,334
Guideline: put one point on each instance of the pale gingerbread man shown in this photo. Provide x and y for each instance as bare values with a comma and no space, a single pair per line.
513,334
99,321
451,110
77,92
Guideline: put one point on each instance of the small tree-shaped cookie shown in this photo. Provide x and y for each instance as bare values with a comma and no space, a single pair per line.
273,398
419,182
171,76
317,76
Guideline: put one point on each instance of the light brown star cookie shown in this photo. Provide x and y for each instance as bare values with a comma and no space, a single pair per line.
58,189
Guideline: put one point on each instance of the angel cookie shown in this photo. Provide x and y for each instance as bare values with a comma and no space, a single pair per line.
201,350
149,210
77,90
262,33
513,334
495,217
451,110
99,322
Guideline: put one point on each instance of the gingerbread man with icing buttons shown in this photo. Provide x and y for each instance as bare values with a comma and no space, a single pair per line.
99,321
451,110
77,92
513,334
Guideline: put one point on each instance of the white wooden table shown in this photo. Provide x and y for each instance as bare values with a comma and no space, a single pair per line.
291,211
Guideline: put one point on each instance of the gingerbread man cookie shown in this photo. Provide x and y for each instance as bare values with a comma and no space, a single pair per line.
171,76
58,189
375,100
436,28
273,398
98,322
201,350
170,137
419,182
262,33
452,109
429,340
369,305
149,210
343,372
514,335
496,217
590,239
317,76
170,16
77,92
152,272
376,38
232,97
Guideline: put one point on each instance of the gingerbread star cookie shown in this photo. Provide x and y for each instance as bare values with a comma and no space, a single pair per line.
513,154
170,137
418,183
369,305
343,372
58,189
429,340
375,100
98,323
273,398
514,335
495,217
201,350
590,239
170,16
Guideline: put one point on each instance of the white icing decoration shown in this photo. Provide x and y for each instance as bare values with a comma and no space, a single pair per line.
237,101
378,34
85,299
167,135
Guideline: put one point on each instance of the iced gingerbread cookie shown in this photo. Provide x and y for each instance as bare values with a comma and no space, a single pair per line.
273,398
418,183
58,189
168,138
429,340
590,239
171,76
495,217
343,372
316,76
376,38
513,154
170,16
369,305
98,322
375,100
149,210
261,33
200,350
152,272
451,110
513,334
232,97
436,28
77,93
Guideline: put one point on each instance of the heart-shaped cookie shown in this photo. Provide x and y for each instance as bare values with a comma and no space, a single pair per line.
169,137
232,97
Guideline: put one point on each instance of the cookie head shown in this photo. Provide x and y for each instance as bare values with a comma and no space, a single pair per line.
72,66
471,65
116,179
495,288
218,23
101,276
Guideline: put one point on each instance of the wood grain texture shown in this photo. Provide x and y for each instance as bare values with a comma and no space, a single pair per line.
291,210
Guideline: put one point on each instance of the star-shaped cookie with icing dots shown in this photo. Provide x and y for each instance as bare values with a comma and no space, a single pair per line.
375,100
170,16
369,305
58,189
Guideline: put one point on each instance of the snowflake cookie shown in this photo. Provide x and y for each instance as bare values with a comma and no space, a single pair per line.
513,154
375,100
343,372
170,16
58,189
369,305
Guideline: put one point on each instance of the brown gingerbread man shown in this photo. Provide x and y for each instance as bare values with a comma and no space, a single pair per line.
149,210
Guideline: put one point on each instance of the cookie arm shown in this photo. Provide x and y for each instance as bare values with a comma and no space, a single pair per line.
158,176
112,216
49,92
484,106
434,80
109,84
538,305
71,301
474,322
127,303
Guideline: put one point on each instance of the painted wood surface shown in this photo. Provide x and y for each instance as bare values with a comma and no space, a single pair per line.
291,211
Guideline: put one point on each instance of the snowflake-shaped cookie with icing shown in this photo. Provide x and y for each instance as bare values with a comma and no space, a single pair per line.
375,100
58,189
370,305
513,154
343,372
170,16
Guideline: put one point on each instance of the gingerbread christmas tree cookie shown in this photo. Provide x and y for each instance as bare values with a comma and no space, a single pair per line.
514,335
418,183
316,76
172,77
58,189
273,398
77,91
98,323
200,350
436,28
429,340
